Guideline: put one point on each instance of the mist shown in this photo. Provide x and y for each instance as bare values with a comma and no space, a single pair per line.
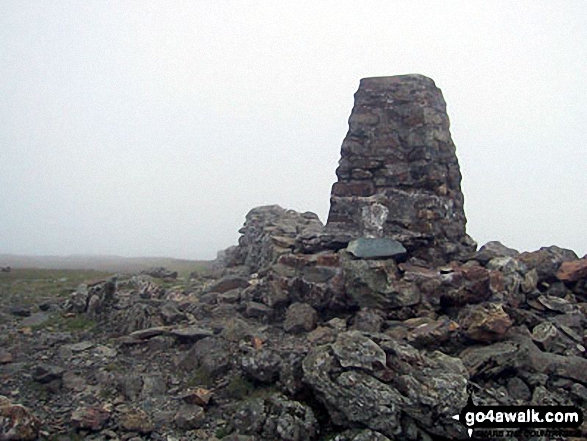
148,129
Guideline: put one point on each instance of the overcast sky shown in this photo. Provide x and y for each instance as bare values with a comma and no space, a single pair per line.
150,128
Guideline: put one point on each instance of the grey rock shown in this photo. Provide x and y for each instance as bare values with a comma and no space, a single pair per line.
228,283
367,247
262,365
362,382
258,310
492,250
376,284
92,418
212,354
189,417
300,317
276,418
46,373
191,334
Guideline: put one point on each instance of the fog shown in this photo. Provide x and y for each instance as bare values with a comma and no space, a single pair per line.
144,128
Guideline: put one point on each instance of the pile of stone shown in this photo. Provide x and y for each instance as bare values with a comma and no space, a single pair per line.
379,325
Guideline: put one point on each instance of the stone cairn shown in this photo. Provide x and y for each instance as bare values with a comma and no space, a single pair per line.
398,175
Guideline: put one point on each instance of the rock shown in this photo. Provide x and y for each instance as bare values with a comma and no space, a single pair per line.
189,417
262,365
464,285
276,418
544,335
375,284
366,248
258,310
19,311
398,176
432,334
381,382
92,418
368,320
519,390
136,420
160,273
17,422
170,314
229,283
81,346
212,354
199,396
144,334
46,373
485,323
268,233
572,271
547,261
300,317
363,435
5,356
191,334
492,250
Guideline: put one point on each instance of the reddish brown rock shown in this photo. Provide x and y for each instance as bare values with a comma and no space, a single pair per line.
90,418
485,323
17,422
572,271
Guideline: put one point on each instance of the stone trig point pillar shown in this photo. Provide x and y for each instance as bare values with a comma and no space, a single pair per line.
398,174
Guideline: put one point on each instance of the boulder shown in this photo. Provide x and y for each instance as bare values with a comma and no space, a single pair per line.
367,383
276,418
300,317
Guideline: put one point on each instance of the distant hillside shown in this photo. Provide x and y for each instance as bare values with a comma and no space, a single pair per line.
102,263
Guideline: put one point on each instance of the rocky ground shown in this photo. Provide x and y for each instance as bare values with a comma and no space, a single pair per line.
312,346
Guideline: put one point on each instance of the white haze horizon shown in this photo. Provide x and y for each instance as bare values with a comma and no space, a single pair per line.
142,129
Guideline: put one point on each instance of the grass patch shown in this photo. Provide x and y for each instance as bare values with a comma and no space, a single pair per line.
27,286
78,323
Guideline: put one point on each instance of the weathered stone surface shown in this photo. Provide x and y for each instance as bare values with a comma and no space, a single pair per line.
485,323
398,175
276,418
262,365
17,422
229,283
546,261
91,418
136,420
375,284
372,384
300,317
571,271
268,233
45,373
492,250
211,354
189,417
366,248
